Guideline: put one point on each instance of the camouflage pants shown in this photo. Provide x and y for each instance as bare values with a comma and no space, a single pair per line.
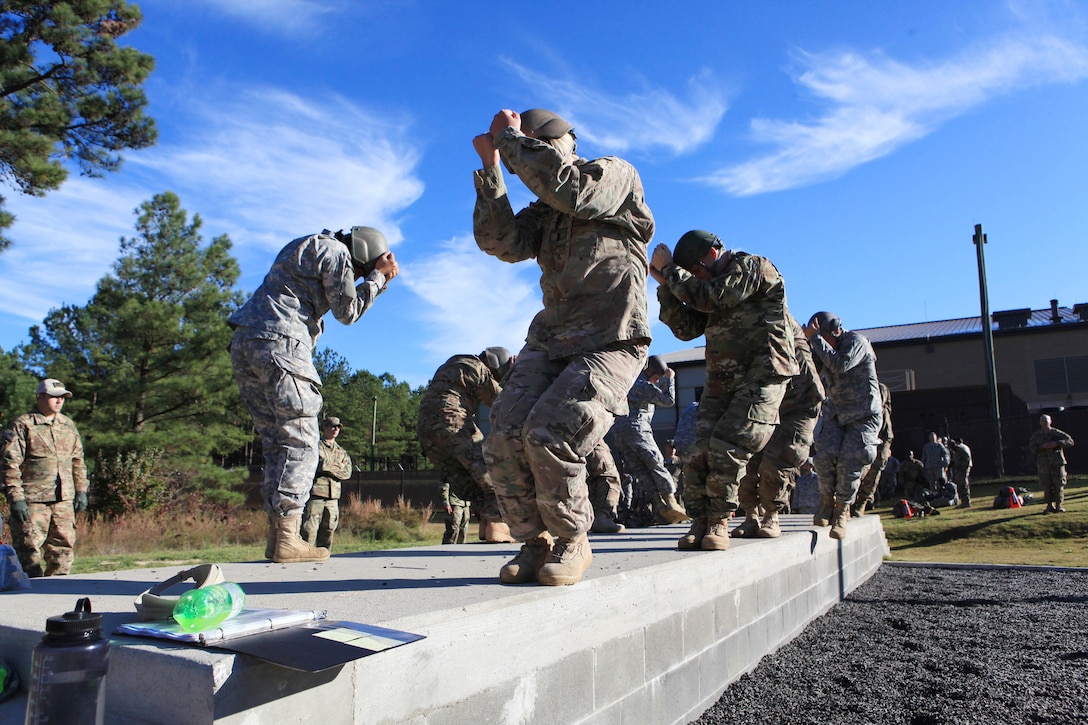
1052,479
457,523
458,455
772,473
274,378
962,479
730,427
550,415
642,459
45,543
319,522
935,477
603,479
842,453
871,477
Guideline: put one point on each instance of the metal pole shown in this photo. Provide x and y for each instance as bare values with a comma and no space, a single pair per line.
373,432
988,347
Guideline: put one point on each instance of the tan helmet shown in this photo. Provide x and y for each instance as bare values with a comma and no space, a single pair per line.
539,123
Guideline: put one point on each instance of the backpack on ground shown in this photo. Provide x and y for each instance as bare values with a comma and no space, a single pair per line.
1008,498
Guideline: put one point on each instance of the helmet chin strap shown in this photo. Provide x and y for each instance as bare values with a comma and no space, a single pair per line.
151,605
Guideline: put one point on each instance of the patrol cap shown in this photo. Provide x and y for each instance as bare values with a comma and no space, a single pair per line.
332,420
539,123
53,388
827,321
693,246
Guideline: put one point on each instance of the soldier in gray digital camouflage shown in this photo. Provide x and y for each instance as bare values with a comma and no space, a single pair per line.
272,357
45,481
867,491
767,486
850,421
603,482
451,439
322,513
1049,444
738,301
632,440
936,459
588,231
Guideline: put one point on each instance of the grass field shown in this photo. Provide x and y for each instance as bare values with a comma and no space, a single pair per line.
985,535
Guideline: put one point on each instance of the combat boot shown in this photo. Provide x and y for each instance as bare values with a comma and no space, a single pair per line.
748,527
603,523
498,533
717,534
289,545
270,539
825,510
769,528
670,509
568,562
840,516
693,539
523,568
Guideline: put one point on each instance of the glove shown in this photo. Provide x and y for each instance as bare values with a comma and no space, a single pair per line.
80,503
20,511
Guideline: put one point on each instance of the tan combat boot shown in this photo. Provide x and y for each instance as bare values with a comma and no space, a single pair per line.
748,527
603,523
498,533
769,528
568,562
825,511
838,521
717,535
693,539
522,569
289,545
670,509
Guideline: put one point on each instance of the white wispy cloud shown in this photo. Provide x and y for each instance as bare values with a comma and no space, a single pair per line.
875,105
472,300
651,118
280,17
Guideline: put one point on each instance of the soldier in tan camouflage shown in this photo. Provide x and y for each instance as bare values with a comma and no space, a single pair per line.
458,511
450,438
46,483
1049,444
738,301
322,513
588,232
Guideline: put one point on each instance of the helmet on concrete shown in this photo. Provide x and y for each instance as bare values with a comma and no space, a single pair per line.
497,360
693,246
656,366
366,244
539,123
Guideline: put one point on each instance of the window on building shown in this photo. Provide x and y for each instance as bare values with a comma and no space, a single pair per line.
1061,375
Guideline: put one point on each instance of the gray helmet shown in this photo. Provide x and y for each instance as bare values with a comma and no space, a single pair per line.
656,366
497,360
692,247
539,123
366,244
828,322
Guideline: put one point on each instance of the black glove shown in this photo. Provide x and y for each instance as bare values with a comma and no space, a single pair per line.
80,503
20,511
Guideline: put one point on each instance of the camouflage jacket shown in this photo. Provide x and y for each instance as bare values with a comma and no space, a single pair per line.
588,232
849,375
805,392
333,467
449,498
684,438
311,276
459,387
934,455
912,474
1050,456
743,314
885,434
961,457
43,460
641,401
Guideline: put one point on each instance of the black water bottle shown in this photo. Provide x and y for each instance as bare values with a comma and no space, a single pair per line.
68,671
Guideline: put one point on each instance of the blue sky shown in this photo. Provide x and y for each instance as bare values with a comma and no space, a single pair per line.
855,144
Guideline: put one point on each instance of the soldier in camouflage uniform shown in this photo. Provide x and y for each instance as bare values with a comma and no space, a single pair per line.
603,482
850,421
272,356
738,301
772,473
632,440
867,491
912,478
458,512
449,435
961,471
46,483
333,467
935,458
588,231
1049,444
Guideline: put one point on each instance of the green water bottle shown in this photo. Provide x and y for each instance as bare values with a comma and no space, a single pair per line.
201,609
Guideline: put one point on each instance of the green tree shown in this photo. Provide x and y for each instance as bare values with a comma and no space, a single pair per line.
68,92
148,354
17,386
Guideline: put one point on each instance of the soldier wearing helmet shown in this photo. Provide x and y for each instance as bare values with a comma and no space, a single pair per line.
272,355
452,440
738,302
588,231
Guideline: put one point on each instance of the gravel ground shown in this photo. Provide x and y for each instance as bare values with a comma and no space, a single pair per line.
931,645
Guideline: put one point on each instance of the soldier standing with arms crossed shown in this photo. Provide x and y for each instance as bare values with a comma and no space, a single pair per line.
322,513
588,231
1049,444
45,480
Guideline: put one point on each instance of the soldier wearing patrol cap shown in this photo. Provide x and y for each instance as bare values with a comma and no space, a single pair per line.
46,482
272,356
588,231
333,468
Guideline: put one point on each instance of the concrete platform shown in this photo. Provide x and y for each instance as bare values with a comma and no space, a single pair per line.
653,635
